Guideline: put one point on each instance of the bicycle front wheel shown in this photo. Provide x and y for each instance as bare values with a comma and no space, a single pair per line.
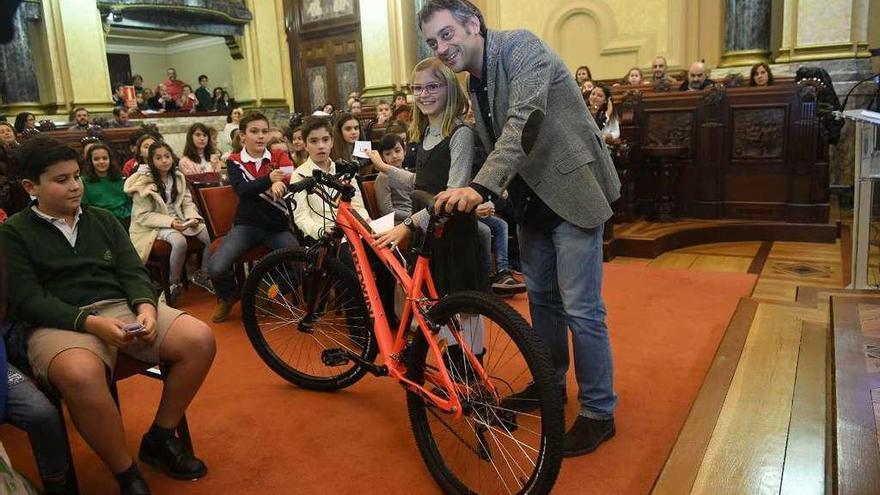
305,322
494,447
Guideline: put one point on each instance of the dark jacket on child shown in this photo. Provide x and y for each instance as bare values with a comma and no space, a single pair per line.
54,279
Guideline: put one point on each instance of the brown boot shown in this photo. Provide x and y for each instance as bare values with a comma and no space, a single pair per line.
222,310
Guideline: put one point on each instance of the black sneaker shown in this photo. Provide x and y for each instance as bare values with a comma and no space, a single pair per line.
526,400
586,435
171,458
503,283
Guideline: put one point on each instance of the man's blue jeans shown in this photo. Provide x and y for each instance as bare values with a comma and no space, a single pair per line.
563,271
237,242
493,238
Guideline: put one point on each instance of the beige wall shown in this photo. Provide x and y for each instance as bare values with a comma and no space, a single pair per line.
214,61
612,36
206,55
150,66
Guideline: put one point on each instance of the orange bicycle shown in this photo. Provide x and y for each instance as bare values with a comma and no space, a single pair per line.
320,325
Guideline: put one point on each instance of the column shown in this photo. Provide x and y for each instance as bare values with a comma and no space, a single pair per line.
18,82
388,44
84,52
748,32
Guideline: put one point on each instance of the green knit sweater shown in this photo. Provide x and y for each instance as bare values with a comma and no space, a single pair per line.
107,194
49,280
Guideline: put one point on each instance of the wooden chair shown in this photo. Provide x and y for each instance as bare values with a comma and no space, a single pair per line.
367,185
218,205
159,263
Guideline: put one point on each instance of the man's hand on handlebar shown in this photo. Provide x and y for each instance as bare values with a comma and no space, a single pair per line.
461,199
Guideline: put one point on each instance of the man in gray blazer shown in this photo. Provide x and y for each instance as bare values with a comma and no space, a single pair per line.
546,151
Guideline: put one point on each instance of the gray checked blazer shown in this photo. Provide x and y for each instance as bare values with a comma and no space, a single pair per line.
545,133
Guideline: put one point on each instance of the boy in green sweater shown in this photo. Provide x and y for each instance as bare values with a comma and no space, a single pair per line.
80,283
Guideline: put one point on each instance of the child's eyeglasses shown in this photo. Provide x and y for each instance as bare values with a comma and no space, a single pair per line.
430,88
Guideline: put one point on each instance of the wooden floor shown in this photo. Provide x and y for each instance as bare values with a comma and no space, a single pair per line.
758,426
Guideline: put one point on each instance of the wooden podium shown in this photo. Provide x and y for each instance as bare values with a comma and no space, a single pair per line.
866,212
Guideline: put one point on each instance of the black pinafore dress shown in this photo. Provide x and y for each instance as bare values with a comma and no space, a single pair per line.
455,259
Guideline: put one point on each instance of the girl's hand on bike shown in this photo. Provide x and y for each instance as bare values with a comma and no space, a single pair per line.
392,237
380,164
278,189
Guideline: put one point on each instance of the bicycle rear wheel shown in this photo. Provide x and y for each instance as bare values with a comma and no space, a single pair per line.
492,449
302,320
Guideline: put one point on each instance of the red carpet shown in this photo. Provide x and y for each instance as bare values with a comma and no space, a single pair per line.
260,435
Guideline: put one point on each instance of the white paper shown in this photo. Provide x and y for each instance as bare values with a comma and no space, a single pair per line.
383,224
362,149
288,171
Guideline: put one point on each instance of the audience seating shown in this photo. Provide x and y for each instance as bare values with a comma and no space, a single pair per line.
159,263
367,185
218,205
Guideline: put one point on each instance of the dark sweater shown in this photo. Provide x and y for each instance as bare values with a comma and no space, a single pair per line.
251,185
52,280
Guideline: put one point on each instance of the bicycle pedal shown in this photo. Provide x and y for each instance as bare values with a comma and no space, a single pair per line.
335,357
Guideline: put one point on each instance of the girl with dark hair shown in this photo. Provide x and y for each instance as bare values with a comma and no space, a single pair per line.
199,155
222,102
103,183
582,74
140,155
25,121
761,75
346,131
599,103
298,152
163,209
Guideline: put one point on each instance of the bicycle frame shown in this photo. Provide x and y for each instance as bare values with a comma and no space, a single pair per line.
420,291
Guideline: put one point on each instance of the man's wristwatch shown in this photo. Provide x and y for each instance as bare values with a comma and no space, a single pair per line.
408,222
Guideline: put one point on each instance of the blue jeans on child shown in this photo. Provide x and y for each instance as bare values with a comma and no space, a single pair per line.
493,238
237,242
563,271
30,411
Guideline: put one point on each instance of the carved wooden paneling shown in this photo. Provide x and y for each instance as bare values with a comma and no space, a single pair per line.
758,133
324,33
753,153
670,129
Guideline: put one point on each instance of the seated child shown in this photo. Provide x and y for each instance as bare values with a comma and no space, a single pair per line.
312,215
140,156
81,303
163,209
393,150
261,217
103,184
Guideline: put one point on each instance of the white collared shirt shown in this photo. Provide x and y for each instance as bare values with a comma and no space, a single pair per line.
69,231
258,162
